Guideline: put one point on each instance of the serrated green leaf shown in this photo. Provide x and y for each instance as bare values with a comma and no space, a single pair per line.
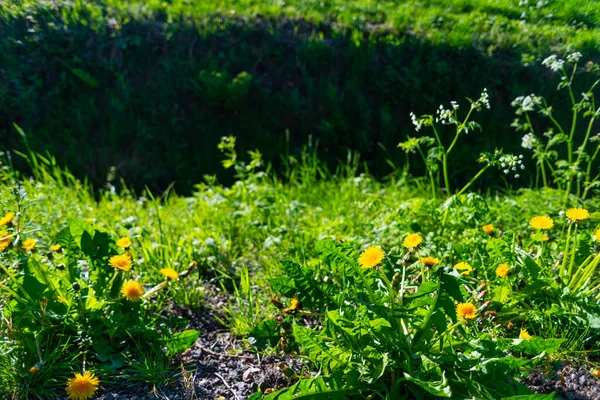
181,341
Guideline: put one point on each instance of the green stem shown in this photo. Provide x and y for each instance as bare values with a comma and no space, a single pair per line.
573,251
566,252
473,180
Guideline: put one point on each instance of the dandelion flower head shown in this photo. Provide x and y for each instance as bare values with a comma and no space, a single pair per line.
524,335
502,270
29,244
541,222
124,242
169,273
465,311
82,387
132,290
122,262
412,240
578,214
489,229
430,261
371,257
5,240
7,218
464,268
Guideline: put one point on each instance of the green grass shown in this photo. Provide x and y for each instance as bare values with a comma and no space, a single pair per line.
497,24
239,236
101,97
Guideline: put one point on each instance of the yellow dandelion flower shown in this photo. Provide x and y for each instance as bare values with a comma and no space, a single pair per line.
124,242
430,261
541,222
122,262
132,290
89,220
371,257
29,244
595,373
489,229
5,240
412,240
502,270
524,335
545,238
578,214
169,273
82,387
295,304
55,247
7,218
597,234
464,267
466,311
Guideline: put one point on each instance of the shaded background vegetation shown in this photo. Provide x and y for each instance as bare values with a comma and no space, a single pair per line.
150,87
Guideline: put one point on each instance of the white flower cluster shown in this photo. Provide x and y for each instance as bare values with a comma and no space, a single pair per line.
484,100
554,63
526,103
574,57
416,122
445,116
509,162
529,141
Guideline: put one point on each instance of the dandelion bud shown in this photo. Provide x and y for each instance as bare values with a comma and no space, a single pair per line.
276,303
396,280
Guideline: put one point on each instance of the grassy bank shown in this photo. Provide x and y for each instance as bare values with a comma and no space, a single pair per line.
124,83
267,243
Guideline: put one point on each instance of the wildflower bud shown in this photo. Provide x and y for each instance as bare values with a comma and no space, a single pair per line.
283,344
589,66
287,371
60,267
484,306
276,303
396,280
76,286
509,325
33,370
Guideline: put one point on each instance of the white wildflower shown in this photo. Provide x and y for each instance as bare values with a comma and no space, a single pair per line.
529,141
445,116
554,63
574,57
417,123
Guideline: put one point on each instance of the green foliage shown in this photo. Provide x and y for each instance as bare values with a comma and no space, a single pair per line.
110,87
283,256
394,342
66,298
